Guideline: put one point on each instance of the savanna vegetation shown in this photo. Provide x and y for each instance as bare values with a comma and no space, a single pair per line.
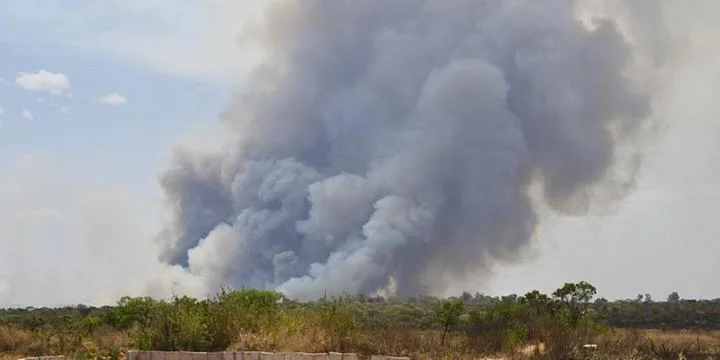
534,325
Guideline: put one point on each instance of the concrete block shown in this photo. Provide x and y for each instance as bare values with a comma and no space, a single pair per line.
50,357
250,355
143,355
222,355
157,355
271,356
350,356
307,356
199,355
184,355
131,355
334,356
172,355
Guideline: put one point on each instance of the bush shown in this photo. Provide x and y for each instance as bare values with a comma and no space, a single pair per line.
234,312
469,327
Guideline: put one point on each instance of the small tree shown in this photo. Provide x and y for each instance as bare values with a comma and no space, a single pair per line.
572,296
130,311
448,316
673,297
585,292
537,301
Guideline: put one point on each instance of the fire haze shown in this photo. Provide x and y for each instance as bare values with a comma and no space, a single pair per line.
383,142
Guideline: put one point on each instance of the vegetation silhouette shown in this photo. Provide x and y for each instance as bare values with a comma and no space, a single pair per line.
534,325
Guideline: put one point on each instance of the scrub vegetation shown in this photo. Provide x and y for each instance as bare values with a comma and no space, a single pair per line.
531,326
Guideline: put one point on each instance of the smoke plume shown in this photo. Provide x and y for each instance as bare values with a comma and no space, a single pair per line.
397,142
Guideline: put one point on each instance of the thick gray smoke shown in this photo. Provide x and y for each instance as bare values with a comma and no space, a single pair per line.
396,142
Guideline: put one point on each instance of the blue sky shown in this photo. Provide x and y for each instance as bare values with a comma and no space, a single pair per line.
80,203
77,156
69,124
174,68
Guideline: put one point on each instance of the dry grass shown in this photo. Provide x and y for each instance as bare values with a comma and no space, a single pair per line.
11,338
424,345
13,341
416,344
310,337
659,344
708,341
16,343
9,356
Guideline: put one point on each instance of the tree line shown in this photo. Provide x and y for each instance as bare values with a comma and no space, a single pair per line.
253,319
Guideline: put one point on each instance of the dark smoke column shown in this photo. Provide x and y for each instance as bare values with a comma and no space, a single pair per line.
398,139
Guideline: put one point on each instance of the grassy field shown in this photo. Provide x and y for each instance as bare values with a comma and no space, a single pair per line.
533,326
616,344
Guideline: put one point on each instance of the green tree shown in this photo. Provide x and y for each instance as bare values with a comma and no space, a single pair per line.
448,316
537,301
573,295
575,298
130,311
247,310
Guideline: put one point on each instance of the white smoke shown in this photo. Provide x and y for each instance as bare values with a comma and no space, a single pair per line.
396,141
331,135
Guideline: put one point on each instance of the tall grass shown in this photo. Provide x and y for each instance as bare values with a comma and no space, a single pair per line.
532,326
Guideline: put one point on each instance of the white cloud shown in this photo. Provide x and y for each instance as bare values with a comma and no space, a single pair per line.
27,114
64,109
55,83
4,81
113,99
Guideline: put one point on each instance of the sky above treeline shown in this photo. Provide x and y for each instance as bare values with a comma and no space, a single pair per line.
94,97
